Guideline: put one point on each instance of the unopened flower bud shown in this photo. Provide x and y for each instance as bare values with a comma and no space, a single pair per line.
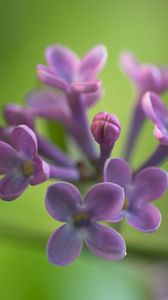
105,128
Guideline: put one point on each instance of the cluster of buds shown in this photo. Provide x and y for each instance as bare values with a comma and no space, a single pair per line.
70,87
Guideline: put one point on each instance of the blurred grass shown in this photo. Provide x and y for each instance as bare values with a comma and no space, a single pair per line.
32,277
27,27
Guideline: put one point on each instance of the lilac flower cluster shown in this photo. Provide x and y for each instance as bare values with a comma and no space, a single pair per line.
69,87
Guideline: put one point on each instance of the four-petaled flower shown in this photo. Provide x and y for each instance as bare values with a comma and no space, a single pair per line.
101,203
146,77
157,112
20,163
148,185
67,72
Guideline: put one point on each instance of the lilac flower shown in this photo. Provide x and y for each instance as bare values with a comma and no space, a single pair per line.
78,80
102,202
67,72
157,112
20,164
49,105
17,115
146,77
148,185
54,106
106,129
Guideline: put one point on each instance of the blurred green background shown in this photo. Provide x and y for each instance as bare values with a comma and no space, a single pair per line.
27,27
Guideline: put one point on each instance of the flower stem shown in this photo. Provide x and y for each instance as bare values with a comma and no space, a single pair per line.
157,157
136,124
79,126
71,174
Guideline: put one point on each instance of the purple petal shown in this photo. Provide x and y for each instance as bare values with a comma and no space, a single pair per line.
119,217
12,186
154,108
49,105
104,201
17,115
62,201
152,78
161,134
9,158
85,87
146,218
105,242
150,184
42,171
5,134
129,64
118,171
93,63
49,78
64,245
63,62
24,140
91,99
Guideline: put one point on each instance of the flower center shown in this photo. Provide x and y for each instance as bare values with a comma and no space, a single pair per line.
81,219
126,204
28,168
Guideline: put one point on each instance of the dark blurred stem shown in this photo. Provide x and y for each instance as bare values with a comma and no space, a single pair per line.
137,121
79,127
105,152
65,173
157,157
37,240
52,152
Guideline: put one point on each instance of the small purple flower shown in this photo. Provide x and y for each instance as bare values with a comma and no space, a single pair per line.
54,106
49,105
16,115
67,72
148,185
146,77
102,202
20,164
157,112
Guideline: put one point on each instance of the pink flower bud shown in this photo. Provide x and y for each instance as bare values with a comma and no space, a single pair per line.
105,128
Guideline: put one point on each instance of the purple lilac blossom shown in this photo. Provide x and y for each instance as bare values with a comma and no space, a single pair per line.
49,105
157,112
106,129
17,115
77,78
20,164
66,71
53,105
146,77
103,201
148,185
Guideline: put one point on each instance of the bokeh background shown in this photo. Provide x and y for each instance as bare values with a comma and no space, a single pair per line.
27,27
